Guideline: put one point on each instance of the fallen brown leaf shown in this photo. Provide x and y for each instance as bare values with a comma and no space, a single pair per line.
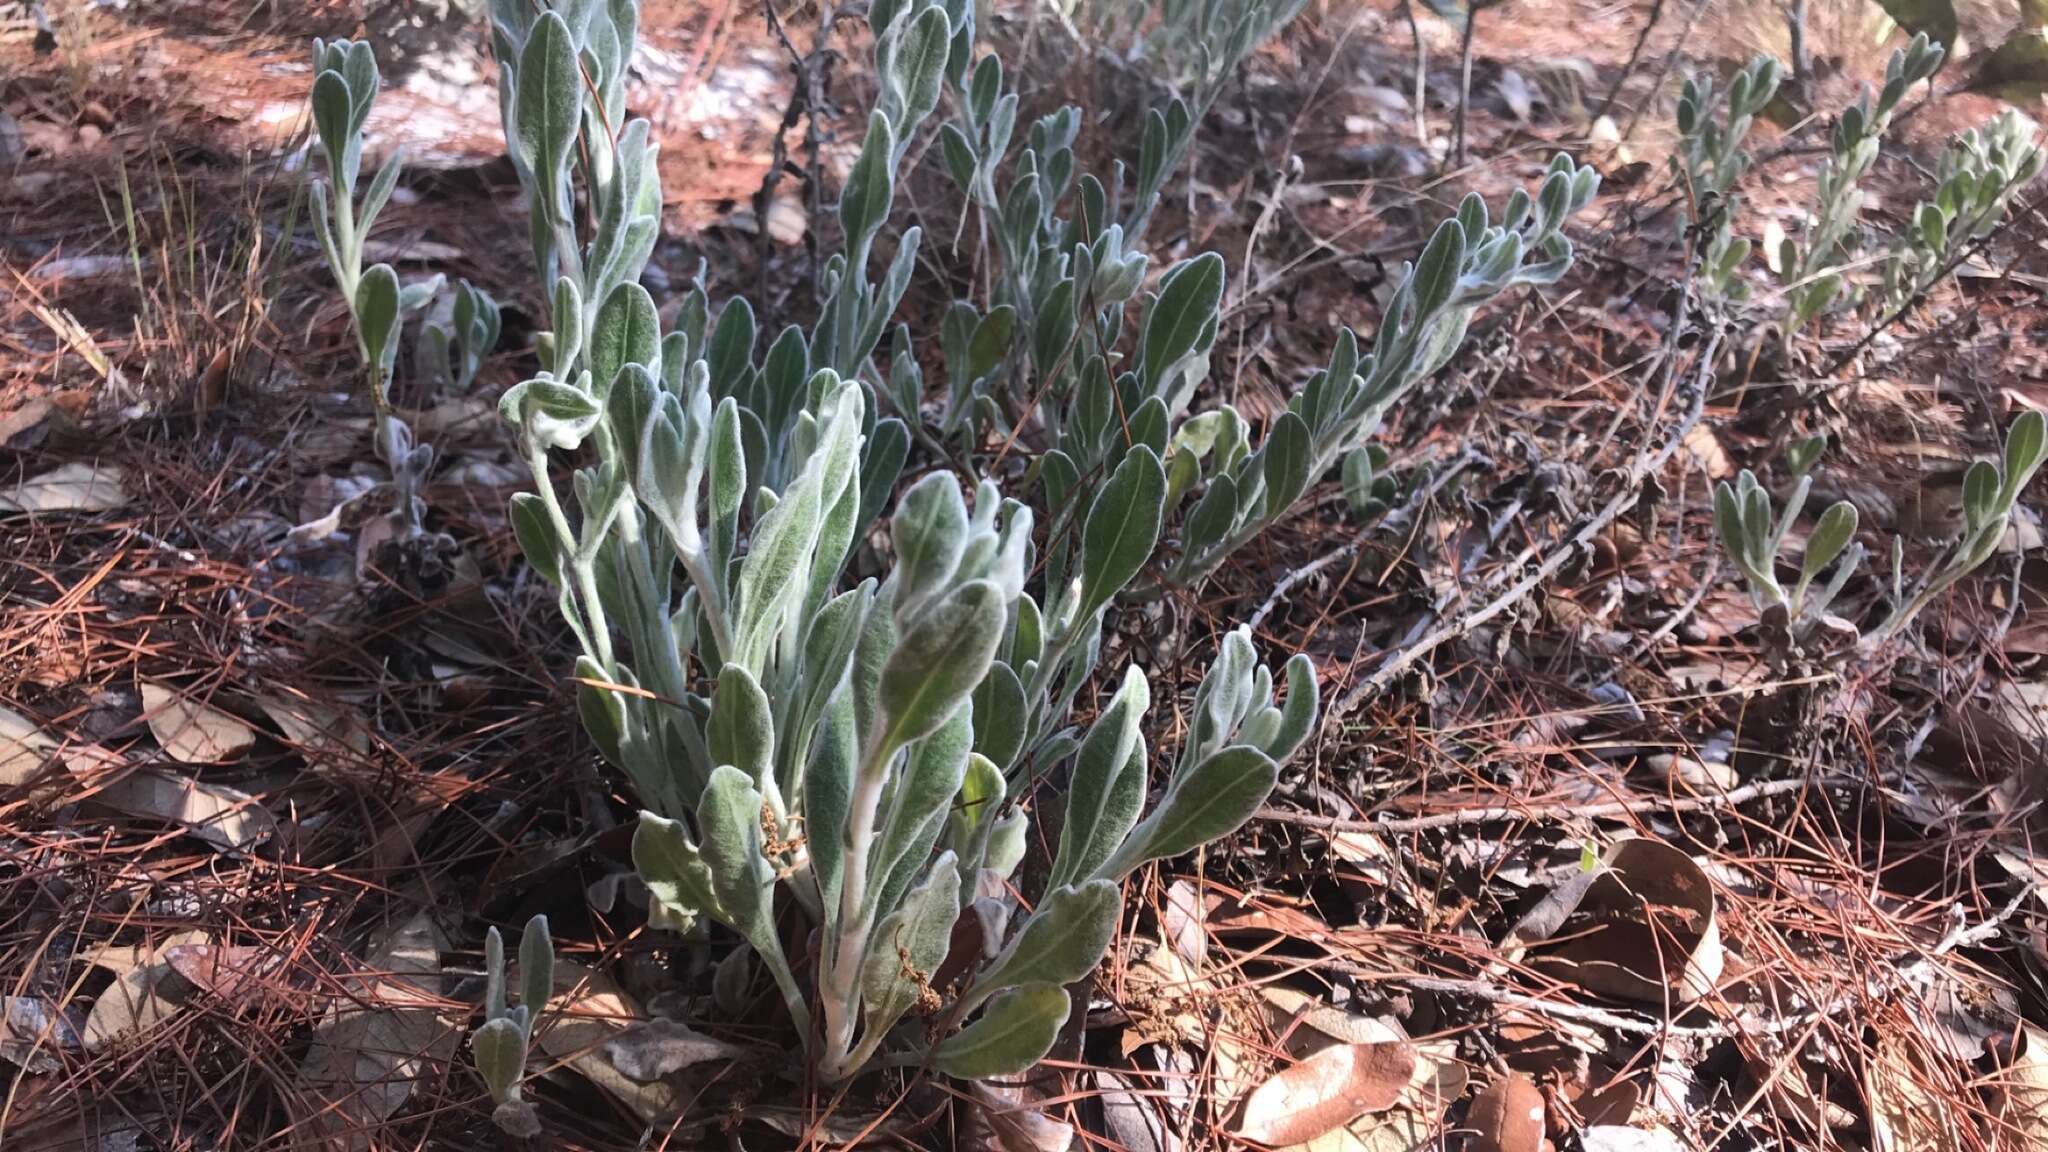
1327,1091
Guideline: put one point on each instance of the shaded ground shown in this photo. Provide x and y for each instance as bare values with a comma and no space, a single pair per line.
272,807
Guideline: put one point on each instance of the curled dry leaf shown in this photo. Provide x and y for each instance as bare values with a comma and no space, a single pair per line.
316,729
1308,1024
1641,928
79,486
139,1001
221,816
24,747
1506,1116
652,1049
1327,1091
230,972
376,1043
1017,1124
33,1031
2019,1097
587,1012
192,732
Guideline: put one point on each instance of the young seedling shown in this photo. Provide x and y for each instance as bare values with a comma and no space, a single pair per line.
1990,492
1815,269
500,1044
345,84
1752,537
1710,160
1975,183
448,356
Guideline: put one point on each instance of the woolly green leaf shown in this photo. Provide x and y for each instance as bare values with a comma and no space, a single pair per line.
536,536
1836,527
999,714
1189,297
550,104
864,201
536,966
2026,447
552,414
1212,800
672,867
909,945
627,331
1105,753
500,1050
741,731
1062,941
938,660
377,317
1014,1032
1122,527
1284,463
929,530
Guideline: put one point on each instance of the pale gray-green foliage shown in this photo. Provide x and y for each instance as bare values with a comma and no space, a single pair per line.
1752,535
1710,160
854,748
1468,262
1990,491
1814,265
500,1044
449,355
345,82
1975,182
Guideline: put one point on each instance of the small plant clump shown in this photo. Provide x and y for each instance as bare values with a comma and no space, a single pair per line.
1974,185
1752,537
502,1041
857,748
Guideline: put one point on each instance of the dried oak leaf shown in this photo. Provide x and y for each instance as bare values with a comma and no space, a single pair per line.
1327,1091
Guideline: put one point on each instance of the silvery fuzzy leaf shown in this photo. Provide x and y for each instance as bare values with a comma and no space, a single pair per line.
332,111
1062,941
536,535
626,331
1188,300
870,185
785,373
986,86
381,187
1298,715
938,660
536,967
730,815
494,974
1014,1032
741,731
1223,698
602,712
1836,527
881,462
999,714
550,105
974,813
929,531
909,945
500,1050
1122,527
916,65
672,867
2026,447
552,414
1006,843
730,355
377,318
827,788
1980,495
915,805
1212,800
1105,754
1284,463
